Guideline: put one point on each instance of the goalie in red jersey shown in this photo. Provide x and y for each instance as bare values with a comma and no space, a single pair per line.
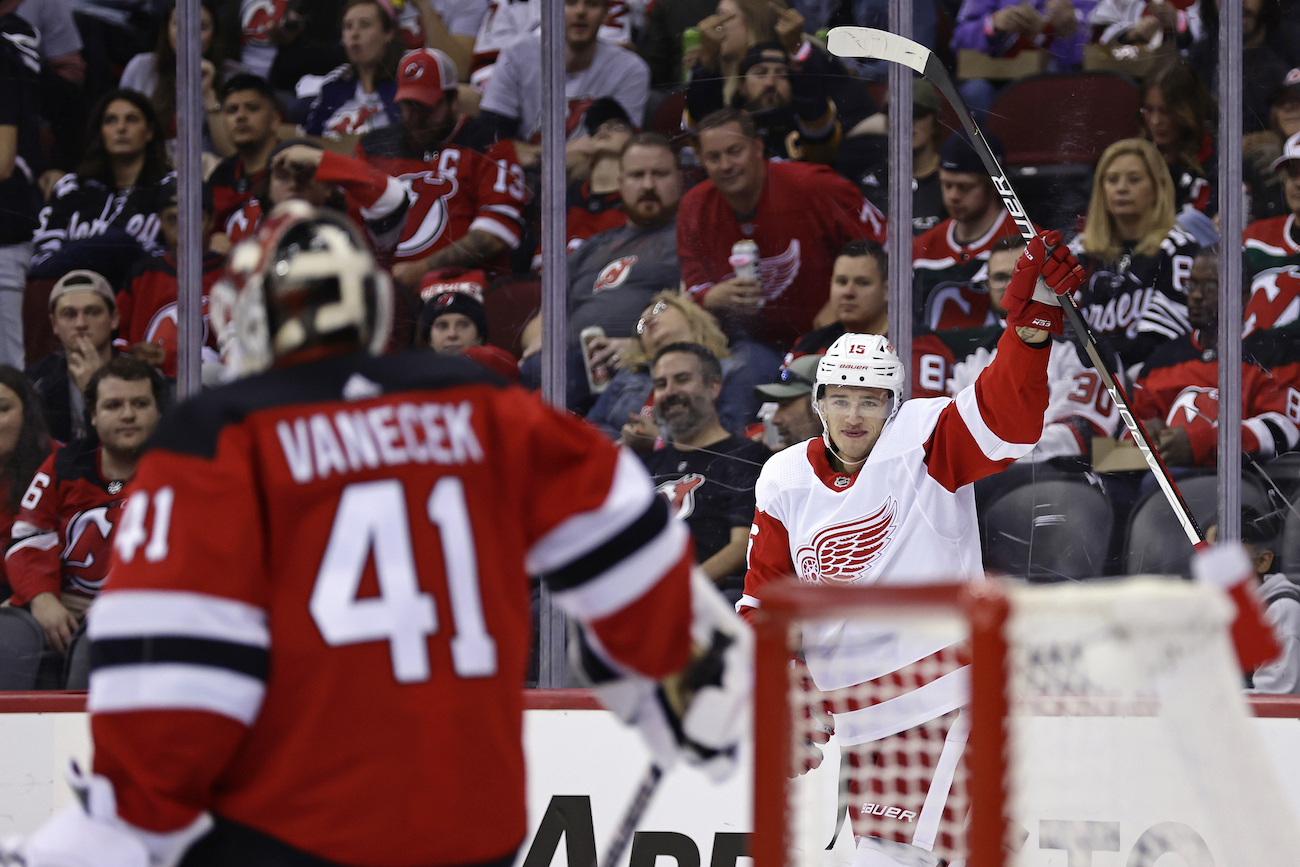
320,594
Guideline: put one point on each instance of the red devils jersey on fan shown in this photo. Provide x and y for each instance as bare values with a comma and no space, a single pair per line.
63,530
232,188
453,191
1180,385
341,552
1274,300
804,217
932,360
957,306
1271,243
942,264
147,306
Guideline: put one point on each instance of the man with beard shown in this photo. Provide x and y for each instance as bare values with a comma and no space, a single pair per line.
795,117
58,559
466,206
706,473
614,275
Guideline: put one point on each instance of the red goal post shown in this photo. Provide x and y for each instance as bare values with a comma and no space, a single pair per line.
1068,683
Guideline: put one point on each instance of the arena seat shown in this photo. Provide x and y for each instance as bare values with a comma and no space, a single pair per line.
510,302
38,337
668,117
1051,165
1155,542
1050,529
1090,111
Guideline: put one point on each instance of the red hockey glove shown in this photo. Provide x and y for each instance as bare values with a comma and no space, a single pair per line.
1059,270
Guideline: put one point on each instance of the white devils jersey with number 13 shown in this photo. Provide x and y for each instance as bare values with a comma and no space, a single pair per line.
908,516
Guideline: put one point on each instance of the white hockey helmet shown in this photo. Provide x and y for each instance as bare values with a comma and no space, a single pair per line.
305,285
862,360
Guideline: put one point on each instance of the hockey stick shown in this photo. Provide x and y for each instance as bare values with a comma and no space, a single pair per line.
865,42
632,816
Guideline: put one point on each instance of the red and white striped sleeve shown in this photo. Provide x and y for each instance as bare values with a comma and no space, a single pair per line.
768,559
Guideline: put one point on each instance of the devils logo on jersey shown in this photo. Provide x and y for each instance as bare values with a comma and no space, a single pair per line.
427,219
614,274
258,17
90,536
1274,299
1193,404
681,493
351,119
842,553
163,327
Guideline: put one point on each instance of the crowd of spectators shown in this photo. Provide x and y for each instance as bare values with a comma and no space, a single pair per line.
726,211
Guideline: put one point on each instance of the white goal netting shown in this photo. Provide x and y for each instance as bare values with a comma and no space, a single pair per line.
1107,727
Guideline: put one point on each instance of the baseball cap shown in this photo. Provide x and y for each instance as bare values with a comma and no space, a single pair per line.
764,52
957,154
424,75
924,96
1290,86
795,379
83,281
453,291
603,110
1290,151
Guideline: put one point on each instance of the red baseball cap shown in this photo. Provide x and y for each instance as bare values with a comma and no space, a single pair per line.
424,75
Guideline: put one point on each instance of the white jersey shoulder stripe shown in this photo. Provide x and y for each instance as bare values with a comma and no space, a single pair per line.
629,579
176,686
993,446
628,498
143,613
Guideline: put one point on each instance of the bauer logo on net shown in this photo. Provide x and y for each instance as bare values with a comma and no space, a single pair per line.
842,553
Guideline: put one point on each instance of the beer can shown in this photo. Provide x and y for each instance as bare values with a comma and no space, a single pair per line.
598,375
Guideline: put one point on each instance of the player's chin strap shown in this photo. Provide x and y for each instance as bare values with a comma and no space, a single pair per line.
89,833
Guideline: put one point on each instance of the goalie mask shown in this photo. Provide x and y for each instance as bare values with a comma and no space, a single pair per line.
864,361
303,287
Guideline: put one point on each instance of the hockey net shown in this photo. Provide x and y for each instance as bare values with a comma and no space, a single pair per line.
1103,718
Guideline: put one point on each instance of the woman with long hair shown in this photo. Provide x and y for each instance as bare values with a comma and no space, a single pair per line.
154,74
1177,117
24,445
623,409
358,96
103,215
1136,256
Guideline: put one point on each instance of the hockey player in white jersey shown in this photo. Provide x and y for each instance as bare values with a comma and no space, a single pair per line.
885,496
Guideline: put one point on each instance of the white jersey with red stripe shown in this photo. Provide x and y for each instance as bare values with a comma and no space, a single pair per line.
906,518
